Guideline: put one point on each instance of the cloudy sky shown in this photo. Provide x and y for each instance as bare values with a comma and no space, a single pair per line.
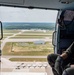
13,14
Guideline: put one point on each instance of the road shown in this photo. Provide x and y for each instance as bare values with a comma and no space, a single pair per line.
27,40
8,57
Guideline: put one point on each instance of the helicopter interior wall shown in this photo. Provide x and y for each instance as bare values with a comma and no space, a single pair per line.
52,4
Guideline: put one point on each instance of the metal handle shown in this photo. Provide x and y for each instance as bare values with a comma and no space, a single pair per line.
1,30
53,38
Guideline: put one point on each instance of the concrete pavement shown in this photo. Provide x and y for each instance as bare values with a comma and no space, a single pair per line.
9,56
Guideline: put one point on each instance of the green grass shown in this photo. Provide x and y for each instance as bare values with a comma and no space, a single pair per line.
30,50
34,34
29,59
7,34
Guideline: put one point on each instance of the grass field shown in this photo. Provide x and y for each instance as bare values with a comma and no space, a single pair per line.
27,48
5,35
29,59
30,37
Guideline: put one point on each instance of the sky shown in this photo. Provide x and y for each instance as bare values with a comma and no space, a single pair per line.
14,14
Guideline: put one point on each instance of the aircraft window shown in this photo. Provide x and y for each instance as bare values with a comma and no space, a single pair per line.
27,35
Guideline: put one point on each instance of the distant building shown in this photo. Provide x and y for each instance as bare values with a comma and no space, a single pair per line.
39,42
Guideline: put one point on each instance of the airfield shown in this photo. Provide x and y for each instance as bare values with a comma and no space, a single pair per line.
26,51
